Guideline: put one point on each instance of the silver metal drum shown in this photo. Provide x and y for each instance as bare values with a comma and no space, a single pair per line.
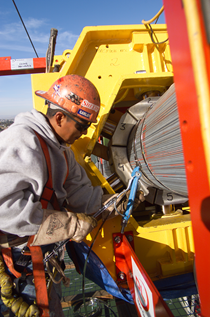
155,145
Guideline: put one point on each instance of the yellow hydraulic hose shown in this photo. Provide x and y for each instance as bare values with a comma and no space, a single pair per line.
154,18
16,304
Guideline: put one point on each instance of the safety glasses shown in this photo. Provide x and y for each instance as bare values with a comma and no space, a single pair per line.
81,127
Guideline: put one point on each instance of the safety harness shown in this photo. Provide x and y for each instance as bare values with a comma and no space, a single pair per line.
36,254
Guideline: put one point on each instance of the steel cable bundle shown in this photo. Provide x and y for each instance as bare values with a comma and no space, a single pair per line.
155,144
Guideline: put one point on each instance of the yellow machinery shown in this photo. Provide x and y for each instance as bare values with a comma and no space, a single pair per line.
154,116
130,66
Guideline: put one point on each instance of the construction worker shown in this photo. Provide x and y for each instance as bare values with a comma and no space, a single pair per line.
27,209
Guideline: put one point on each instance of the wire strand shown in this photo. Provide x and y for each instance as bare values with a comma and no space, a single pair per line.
25,27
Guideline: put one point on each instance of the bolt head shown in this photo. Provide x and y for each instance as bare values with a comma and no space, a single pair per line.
117,239
121,275
129,237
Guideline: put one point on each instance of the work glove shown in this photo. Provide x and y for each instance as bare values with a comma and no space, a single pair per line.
139,198
62,225
121,204
110,211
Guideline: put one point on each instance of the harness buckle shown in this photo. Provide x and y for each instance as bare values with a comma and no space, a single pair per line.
25,257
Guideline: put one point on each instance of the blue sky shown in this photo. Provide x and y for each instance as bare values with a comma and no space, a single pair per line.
69,18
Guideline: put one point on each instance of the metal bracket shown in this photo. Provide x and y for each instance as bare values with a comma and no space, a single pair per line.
147,299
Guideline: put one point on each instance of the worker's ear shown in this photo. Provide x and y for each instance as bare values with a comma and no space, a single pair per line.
59,118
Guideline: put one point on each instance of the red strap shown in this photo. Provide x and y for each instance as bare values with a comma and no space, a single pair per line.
39,278
48,194
38,273
48,189
7,255
36,251
67,167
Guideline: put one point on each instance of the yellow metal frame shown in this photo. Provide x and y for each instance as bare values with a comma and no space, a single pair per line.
123,63
163,245
115,59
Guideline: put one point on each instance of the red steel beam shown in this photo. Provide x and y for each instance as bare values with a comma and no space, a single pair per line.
147,299
9,66
196,170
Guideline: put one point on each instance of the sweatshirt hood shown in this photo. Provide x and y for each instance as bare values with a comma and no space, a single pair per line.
39,123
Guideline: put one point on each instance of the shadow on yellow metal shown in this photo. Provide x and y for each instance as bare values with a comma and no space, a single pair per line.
125,63
164,245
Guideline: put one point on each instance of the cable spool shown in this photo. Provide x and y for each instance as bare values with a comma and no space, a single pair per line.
155,144
149,135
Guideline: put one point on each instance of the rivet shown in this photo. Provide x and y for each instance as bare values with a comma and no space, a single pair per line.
117,239
121,275
129,237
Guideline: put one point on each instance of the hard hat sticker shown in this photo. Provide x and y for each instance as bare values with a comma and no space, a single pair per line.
56,91
86,104
74,98
84,113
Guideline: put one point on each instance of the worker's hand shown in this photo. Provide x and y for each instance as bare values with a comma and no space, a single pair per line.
62,225
139,198
120,203
85,224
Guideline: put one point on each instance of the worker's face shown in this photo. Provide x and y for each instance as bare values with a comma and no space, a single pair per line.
72,129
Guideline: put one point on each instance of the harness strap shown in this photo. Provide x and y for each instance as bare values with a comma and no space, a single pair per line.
48,195
48,189
7,255
39,278
36,251
67,167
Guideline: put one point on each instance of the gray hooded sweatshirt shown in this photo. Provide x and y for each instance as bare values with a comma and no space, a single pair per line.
23,175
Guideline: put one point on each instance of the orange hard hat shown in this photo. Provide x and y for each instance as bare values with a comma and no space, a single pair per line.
74,94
